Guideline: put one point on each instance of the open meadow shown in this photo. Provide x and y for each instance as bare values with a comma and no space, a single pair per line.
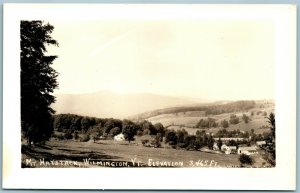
109,153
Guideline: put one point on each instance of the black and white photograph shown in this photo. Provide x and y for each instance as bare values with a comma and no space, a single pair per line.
178,88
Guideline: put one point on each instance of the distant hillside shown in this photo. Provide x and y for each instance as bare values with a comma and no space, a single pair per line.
108,104
208,109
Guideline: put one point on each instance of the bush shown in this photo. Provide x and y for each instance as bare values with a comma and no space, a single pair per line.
224,124
234,119
76,137
145,141
245,159
245,118
207,123
115,131
157,141
68,136
58,136
85,138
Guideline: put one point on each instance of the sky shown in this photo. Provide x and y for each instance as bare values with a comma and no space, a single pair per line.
207,59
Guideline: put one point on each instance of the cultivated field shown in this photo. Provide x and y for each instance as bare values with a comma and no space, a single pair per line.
188,121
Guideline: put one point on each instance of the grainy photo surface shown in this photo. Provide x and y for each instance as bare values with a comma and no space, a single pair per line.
147,93
141,96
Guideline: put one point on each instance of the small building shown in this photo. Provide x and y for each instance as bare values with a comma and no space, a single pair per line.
224,147
261,143
119,137
247,150
231,150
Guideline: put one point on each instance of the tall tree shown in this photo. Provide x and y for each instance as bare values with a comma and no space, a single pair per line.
271,121
38,80
271,142
129,132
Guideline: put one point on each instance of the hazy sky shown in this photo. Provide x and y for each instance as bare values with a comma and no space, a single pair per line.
215,59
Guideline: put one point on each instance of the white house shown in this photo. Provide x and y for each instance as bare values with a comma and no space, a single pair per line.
119,137
261,143
231,150
247,150
224,147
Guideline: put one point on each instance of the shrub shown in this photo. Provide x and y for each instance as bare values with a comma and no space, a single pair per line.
207,123
245,159
224,124
76,137
68,136
157,141
85,138
58,136
234,119
115,131
145,141
245,118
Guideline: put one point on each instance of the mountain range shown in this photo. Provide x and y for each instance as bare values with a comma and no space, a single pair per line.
107,104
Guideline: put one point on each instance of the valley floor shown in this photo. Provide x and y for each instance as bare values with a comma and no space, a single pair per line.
109,153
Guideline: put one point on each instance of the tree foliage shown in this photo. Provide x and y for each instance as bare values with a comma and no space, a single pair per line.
245,118
271,142
234,119
207,123
129,132
245,159
224,123
38,80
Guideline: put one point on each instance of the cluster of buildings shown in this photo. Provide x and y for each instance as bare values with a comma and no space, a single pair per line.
248,150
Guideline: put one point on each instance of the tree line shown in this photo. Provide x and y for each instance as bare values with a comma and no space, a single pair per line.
211,122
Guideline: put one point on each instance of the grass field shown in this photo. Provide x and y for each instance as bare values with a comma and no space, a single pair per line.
67,153
188,121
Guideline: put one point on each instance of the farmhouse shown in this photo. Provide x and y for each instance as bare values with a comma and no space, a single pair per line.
224,147
231,150
261,143
247,150
228,149
119,137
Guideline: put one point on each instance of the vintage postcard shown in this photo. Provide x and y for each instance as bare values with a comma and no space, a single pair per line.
132,93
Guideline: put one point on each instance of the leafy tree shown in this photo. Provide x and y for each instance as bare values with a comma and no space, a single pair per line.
157,140
160,128
219,143
245,118
207,123
147,128
189,141
75,135
271,121
210,142
68,136
171,137
224,124
245,159
38,80
232,143
115,131
129,132
271,143
234,119
112,123
181,134
86,123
